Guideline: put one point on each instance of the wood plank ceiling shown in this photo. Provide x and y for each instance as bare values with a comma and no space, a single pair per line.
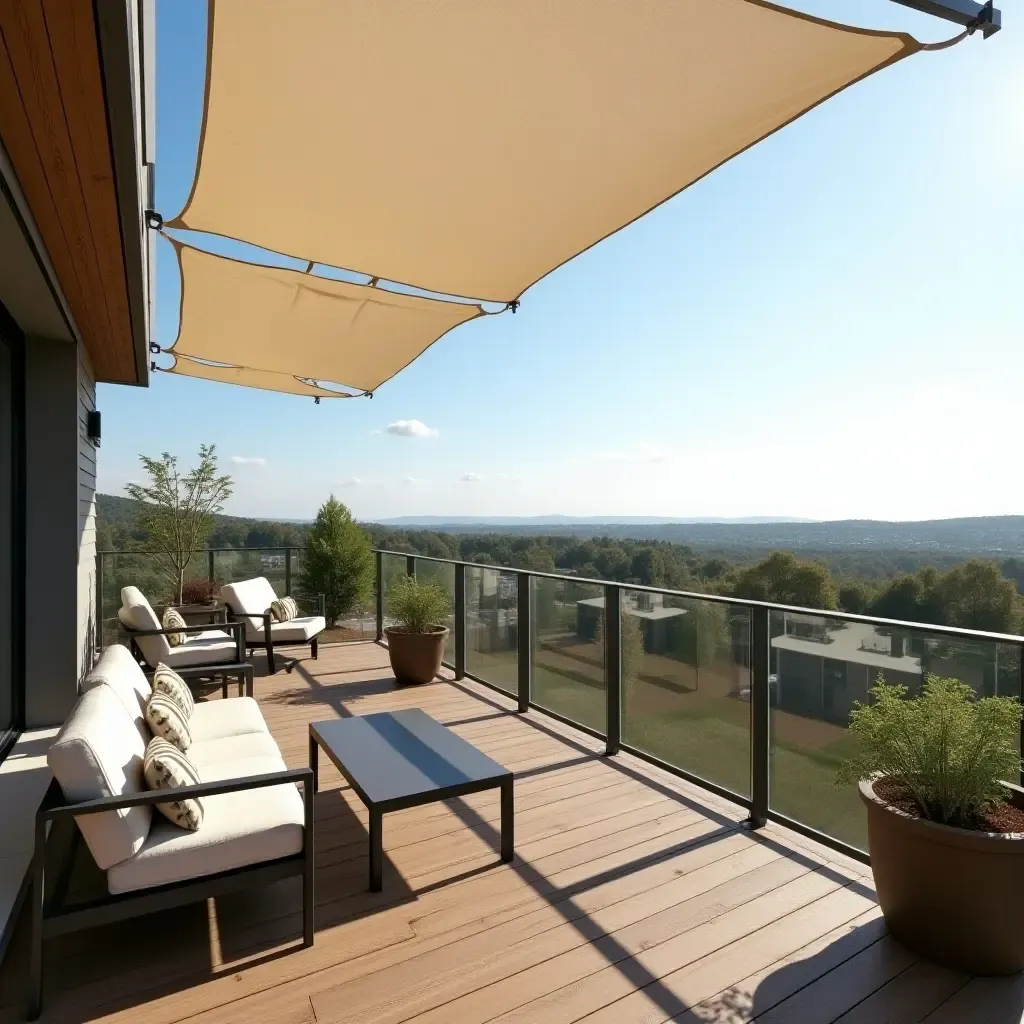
53,124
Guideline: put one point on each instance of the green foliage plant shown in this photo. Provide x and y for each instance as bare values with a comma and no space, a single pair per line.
338,560
949,748
176,510
419,606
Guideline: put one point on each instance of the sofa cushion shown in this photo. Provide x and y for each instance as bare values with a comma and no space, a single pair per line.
137,613
211,647
216,719
172,620
297,631
166,767
168,682
249,599
247,827
99,753
120,671
165,718
207,755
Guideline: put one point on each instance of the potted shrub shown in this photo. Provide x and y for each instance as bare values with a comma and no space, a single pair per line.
945,833
416,642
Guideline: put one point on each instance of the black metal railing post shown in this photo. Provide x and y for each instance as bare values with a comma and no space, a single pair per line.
99,602
760,711
460,621
379,559
287,571
410,565
210,565
613,667
524,631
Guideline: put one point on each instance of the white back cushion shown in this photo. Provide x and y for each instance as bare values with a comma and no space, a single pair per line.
137,613
122,673
99,753
250,598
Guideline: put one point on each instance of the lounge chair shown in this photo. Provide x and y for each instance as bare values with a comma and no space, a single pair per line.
250,601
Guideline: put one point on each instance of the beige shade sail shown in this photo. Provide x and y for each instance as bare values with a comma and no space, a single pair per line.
300,325
469,147
265,380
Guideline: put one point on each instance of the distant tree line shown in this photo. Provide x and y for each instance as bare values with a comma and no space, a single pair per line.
973,593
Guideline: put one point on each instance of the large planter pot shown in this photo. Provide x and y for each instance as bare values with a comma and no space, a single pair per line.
950,894
416,657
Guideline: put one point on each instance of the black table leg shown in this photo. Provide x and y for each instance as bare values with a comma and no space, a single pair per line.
376,850
508,822
314,762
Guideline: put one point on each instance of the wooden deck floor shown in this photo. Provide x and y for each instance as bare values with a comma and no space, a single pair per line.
633,898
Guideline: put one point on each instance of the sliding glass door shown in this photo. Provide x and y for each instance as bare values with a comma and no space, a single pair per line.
12,537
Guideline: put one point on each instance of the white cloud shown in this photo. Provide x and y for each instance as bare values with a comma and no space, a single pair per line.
411,428
407,480
352,481
248,460
471,478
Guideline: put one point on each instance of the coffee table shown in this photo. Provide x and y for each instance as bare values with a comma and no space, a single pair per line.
403,759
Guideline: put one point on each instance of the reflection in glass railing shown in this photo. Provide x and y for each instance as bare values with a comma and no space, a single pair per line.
492,627
443,574
391,567
686,685
819,668
568,650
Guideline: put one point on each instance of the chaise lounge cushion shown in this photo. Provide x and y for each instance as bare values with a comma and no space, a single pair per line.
297,631
239,829
99,753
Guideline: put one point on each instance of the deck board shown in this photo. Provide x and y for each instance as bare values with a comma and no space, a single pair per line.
634,898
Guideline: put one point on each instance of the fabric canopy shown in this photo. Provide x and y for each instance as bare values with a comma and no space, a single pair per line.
300,325
185,366
469,147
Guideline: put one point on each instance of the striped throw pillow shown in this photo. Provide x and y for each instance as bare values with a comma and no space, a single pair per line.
173,620
167,681
164,766
284,609
166,719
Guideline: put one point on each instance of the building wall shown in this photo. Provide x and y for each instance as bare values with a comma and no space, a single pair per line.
87,455
60,531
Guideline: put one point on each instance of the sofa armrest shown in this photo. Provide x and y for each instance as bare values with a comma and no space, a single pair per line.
53,807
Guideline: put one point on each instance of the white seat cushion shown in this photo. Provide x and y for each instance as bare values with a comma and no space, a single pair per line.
297,631
216,719
249,599
99,753
211,647
137,613
120,671
226,752
248,827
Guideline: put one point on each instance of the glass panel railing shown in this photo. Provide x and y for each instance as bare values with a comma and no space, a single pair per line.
443,574
391,568
568,650
819,667
492,627
232,566
686,685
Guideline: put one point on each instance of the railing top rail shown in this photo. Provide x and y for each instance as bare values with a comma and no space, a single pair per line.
203,551
741,602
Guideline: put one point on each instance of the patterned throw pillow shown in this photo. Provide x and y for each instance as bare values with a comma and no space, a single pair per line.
173,620
284,609
166,719
167,681
166,767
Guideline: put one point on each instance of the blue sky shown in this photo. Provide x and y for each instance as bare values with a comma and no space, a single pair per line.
829,326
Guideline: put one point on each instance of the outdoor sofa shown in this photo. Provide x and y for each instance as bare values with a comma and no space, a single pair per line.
256,827
250,601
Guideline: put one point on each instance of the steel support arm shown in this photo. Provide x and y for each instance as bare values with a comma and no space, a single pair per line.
987,18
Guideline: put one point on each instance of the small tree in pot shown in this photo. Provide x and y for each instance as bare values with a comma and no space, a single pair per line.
416,643
946,835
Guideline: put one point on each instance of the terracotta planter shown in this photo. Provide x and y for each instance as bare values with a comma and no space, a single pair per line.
416,657
951,895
